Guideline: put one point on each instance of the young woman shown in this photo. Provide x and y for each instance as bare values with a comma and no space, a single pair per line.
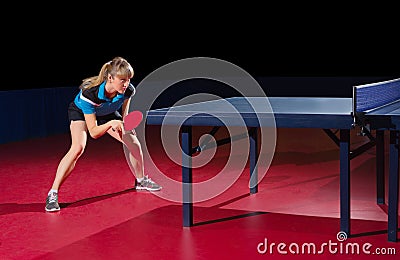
95,109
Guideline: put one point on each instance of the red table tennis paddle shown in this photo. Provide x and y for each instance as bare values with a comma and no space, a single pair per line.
132,120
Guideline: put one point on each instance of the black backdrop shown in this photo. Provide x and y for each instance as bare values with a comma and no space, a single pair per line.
66,63
62,44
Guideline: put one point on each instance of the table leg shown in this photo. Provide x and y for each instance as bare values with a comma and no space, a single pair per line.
393,209
253,160
345,181
187,200
380,167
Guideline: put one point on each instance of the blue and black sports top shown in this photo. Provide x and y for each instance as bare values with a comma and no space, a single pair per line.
93,100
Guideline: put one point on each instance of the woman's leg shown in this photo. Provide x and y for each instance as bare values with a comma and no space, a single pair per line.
67,163
130,140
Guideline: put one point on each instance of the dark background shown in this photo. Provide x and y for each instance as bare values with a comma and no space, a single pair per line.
58,62
60,47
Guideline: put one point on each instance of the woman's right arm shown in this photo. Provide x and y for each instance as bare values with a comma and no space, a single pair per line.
97,131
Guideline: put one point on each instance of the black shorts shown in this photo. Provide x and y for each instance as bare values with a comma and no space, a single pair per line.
76,114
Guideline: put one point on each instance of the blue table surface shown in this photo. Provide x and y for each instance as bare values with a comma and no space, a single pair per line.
391,112
302,112
284,105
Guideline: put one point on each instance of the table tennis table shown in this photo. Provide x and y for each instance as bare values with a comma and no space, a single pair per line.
379,106
327,113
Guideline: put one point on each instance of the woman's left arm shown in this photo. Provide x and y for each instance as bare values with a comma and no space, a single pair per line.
129,93
125,107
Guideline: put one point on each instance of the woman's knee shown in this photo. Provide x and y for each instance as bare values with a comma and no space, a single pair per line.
130,139
77,150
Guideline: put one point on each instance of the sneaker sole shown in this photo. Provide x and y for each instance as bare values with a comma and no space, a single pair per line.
51,210
147,189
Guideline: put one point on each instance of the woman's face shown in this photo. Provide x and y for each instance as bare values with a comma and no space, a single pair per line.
120,84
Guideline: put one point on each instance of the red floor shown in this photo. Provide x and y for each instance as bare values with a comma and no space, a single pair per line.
102,217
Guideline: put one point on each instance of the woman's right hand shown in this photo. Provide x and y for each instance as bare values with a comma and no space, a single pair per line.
116,125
